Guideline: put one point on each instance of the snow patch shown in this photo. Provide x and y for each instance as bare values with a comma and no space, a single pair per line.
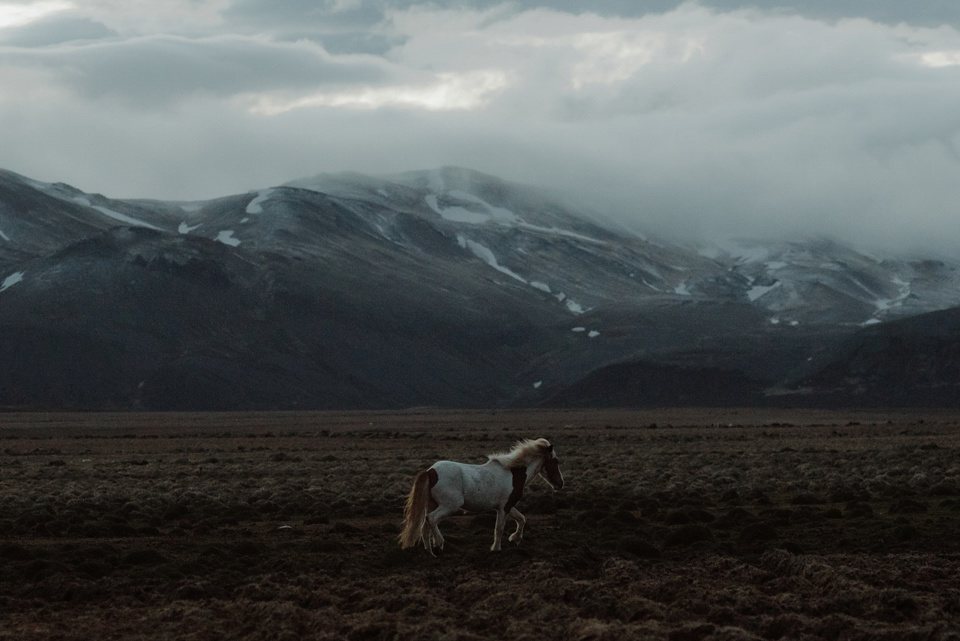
123,218
683,289
556,231
480,213
499,214
255,206
759,291
192,208
226,237
115,215
537,384
11,280
889,303
4,236
593,333
866,289
456,214
653,287
486,255
184,228
383,231
541,286
579,329
573,306
870,321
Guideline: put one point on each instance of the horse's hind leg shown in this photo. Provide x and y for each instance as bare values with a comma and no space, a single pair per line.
433,521
521,521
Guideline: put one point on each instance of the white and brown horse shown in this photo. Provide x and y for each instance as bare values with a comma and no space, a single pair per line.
448,487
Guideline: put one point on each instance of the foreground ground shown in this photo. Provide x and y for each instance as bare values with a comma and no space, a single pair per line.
673,525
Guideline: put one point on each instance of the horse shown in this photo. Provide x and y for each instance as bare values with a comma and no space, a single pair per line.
448,487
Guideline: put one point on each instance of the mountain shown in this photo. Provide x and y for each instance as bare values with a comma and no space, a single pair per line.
911,362
442,288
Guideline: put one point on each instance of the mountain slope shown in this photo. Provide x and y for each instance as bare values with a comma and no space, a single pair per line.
445,287
913,362
181,322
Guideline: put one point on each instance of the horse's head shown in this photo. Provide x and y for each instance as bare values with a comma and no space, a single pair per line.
550,470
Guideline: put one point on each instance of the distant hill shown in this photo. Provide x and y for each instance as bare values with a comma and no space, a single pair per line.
912,362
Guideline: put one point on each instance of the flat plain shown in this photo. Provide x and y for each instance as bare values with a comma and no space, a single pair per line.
673,524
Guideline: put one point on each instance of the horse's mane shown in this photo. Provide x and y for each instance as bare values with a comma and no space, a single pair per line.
522,453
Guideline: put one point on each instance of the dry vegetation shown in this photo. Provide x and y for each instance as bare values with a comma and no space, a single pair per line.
673,525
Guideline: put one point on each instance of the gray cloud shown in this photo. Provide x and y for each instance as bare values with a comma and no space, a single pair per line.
54,31
159,70
360,15
692,118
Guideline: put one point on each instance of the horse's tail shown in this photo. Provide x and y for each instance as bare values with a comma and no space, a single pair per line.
415,511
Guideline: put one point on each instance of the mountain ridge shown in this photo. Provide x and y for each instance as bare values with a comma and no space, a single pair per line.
445,287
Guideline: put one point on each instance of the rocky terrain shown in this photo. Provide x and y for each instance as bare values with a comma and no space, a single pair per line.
672,524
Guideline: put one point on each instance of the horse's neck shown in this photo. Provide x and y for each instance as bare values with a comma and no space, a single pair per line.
531,468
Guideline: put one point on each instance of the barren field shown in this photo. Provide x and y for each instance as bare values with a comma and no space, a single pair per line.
678,525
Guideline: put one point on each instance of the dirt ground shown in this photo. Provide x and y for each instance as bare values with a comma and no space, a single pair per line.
679,525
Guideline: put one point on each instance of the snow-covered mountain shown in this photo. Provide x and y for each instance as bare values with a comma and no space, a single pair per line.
444,287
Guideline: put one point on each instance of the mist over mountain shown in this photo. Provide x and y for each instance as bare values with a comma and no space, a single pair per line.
444,288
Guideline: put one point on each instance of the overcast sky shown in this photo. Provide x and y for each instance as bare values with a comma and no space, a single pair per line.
724,116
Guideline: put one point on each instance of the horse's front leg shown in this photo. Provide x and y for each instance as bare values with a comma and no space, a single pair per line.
521,521
430,539
498,530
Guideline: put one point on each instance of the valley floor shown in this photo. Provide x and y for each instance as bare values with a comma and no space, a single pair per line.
674,524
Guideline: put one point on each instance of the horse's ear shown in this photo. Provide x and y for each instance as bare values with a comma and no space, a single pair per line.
545,447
